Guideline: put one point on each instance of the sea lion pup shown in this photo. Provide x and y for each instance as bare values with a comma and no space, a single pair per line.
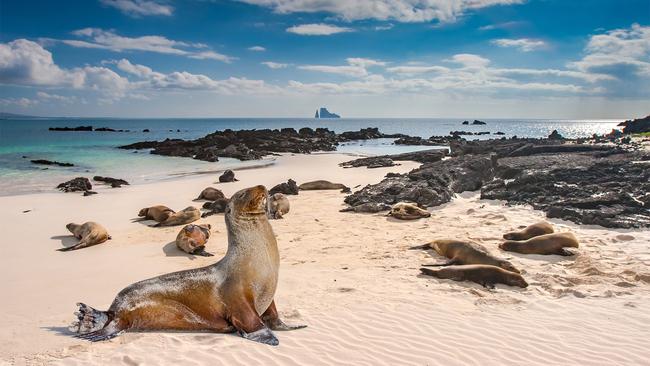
89,234
218,206
407,211
157,213
210,194
485,275
184,216
192,238
543,244
234,294
278,206
531,231
323,185
465,252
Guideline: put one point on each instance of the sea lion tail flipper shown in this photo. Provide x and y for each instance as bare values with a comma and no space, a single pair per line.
488,285
79,245
111,330
423,246
262,335
429,272
450,262
156,225
88,319
564,252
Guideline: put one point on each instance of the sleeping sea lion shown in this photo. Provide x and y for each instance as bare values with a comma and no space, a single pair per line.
407,211
323,185
234,294
218,206
543,244
192,238
278,206
157,213
184,216
531,231
210,194
89,233
485,275
465,252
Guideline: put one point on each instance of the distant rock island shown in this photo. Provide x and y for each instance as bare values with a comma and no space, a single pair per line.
324,113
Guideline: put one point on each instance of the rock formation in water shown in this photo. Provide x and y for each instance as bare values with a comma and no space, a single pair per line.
324,113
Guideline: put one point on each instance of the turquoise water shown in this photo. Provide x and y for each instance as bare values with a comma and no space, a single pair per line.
95,153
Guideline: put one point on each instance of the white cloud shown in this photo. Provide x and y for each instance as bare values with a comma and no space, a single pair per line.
504,25
56,97
109,40
523,44
388,26
413,70
21,102
274,65
356,67
469,60
257,49
364,62
318,29
398,10
138,8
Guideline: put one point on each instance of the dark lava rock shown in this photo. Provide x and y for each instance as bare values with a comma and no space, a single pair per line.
106,129
227,176
146,130
78,128
430,185
290,187
465,122
371,162
555,136
499,133
424,156
114,182
89,193
521,147
461,133
637,125
78,184
218,206
477,122
48,162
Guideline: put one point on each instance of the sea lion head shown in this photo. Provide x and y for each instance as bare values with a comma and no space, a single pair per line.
248,203
508,266
508,245
512,236
143,212
517,280
71,227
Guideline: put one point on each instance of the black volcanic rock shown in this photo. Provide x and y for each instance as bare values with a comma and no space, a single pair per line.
78,128
465,122
48,162
637,125
424,156
114,182
555,136
290,187
477,122
79,184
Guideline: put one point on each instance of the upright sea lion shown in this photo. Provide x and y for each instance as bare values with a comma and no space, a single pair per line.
192,238
227,176
278,206
531,231
485,275
184,216
157,213
234,294
210,194
218,206
543,244
407,211
465,252
323,185
89,233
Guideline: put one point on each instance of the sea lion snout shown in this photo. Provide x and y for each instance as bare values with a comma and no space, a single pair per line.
71,226
143,212
251,201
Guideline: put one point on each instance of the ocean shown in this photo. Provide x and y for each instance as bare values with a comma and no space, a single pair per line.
95,153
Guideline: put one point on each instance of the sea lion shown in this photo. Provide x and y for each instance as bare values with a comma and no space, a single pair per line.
465,252
184,216
323,185
218,206
543,244
407,211
157,213
531,231
278,206
485,275
89,233
227,176
368,207
210,194
234,294
192,238
290,187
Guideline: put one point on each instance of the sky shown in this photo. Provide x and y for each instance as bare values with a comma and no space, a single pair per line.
359,58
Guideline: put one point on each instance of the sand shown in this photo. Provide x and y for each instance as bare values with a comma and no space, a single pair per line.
349,277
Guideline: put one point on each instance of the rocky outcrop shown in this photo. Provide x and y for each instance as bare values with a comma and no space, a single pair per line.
78,128
324,113
555,136
477,122
425,156
114,182
79,184
290,187
48,162
638,125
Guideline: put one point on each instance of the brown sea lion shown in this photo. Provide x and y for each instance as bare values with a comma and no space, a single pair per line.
210,194
543,244
157,213
407,211
89,233
531,231
323,185
218,206
184,216
192,238
485,275
234,294
465,252
278,206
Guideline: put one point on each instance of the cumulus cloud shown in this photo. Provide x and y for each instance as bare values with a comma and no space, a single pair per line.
274,65
356,67
109,40
398,10
56,97
416,69
20,102
138,8
523,44
257,49
319,29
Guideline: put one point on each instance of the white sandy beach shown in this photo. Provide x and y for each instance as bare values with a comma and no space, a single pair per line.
349,277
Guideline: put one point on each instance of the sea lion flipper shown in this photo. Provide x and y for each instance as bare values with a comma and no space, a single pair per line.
564,252
201,251
263,335
109,331
450,262
273,321
488,285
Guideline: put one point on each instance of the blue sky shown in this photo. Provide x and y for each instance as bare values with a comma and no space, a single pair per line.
360,58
